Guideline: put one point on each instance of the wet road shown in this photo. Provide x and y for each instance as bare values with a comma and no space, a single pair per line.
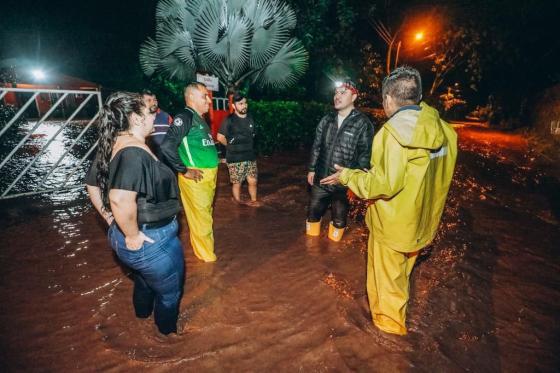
485,295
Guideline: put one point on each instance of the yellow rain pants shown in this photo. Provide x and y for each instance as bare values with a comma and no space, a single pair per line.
197,198
388,275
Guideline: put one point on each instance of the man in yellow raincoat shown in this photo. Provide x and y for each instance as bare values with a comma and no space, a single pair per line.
412,164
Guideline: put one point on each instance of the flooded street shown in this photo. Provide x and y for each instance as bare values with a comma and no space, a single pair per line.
485,296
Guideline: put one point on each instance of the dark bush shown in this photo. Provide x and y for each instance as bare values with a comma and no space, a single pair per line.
285,125
7,112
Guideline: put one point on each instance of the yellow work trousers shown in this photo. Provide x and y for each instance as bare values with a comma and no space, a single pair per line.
197,198
388,275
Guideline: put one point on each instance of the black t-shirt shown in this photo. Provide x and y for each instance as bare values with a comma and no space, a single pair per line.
239,133
134,169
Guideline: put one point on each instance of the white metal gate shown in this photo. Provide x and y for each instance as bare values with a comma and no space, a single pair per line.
42,176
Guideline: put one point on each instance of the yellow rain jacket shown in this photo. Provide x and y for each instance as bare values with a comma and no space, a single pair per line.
412,164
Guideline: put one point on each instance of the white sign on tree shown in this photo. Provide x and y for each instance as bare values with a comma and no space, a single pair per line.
210,81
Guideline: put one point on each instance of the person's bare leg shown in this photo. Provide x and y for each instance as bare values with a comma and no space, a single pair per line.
252,186
236,191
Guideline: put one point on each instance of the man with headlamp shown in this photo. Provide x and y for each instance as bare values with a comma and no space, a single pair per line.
343,137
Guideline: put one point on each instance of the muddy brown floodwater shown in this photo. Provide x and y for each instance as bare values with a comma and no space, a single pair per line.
485,295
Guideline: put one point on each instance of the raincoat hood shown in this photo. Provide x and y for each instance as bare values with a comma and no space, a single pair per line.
420,129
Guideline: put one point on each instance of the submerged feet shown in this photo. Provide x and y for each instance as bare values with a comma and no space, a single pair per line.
248,203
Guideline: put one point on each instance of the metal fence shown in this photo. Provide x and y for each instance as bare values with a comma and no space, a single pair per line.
220,103
42,177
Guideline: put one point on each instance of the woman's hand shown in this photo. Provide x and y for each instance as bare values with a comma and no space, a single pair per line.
136,242
193,174
95,197
108,216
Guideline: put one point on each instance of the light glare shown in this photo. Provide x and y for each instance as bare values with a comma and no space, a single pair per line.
38,74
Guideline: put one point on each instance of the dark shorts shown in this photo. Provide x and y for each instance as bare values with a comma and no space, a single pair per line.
239,171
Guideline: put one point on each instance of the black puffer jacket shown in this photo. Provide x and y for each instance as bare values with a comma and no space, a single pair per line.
349,146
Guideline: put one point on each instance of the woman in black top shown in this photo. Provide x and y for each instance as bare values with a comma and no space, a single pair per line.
138,196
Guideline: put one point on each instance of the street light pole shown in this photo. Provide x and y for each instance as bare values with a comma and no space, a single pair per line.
388,59
388,38
391,40
397,54
418,37
390,51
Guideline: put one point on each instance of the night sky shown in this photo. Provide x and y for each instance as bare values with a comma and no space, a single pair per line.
99,40
94,40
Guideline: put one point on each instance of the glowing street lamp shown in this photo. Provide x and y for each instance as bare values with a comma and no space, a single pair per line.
418,37
392,40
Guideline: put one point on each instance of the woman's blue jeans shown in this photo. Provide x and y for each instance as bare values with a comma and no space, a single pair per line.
158,270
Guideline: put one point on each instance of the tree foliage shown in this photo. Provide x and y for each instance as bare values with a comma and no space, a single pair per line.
8,75
370,77
456,52
237,40
333,31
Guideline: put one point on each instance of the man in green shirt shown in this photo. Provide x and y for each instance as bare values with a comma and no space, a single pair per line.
189,149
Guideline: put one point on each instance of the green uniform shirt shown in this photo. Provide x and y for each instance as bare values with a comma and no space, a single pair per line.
198,149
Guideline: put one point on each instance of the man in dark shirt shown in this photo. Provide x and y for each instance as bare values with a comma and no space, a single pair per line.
237,134
161,123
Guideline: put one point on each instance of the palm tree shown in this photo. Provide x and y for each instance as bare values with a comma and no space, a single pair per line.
236,40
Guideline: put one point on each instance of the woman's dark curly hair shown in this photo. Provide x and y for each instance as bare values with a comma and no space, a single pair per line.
114,118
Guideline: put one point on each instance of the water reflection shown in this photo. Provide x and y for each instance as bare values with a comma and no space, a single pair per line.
484,295
60,141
